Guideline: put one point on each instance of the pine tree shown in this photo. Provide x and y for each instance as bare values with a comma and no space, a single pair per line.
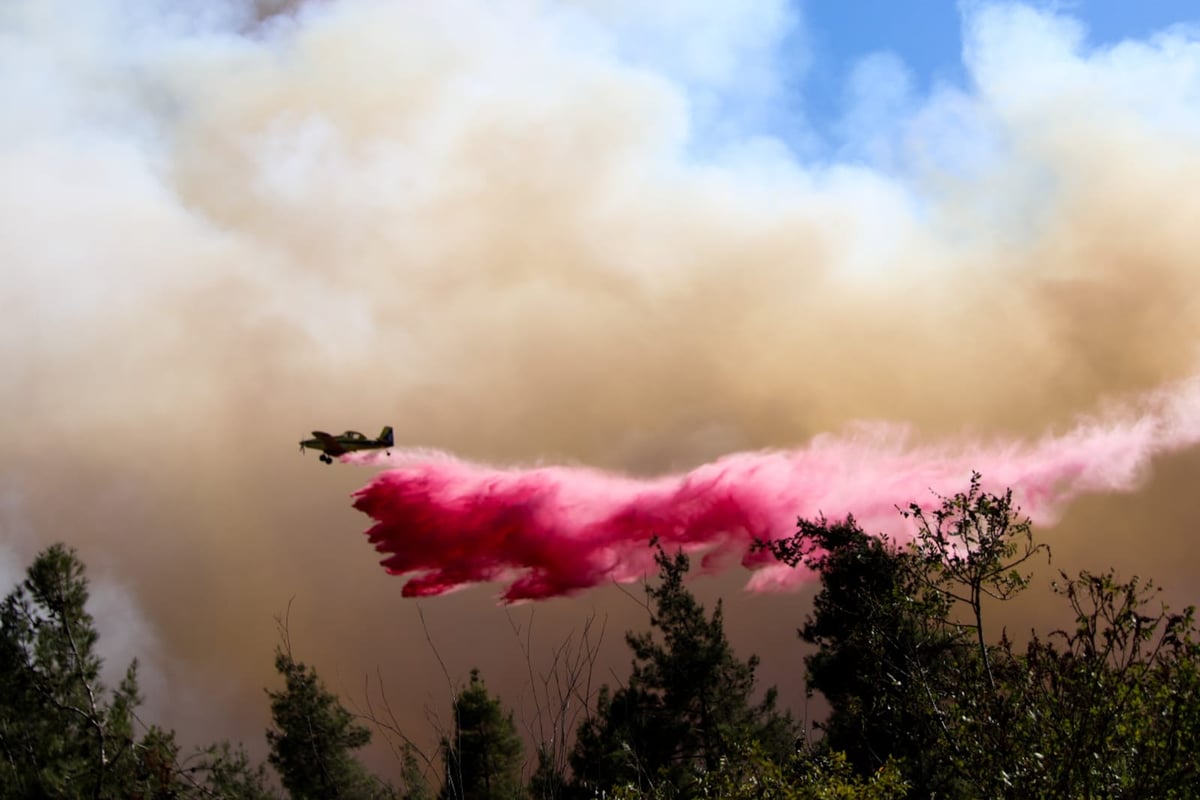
548,781
225,771
688,702
314,736
62,732
885,656
483,759
412,776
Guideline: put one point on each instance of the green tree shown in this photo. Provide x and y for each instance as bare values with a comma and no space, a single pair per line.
687,704
971,549
224,770
548,781
62,732
483,757
1110,708
752,775
313,737
901,651
883,657
412,776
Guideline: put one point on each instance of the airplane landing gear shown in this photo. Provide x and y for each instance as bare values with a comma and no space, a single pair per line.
326,459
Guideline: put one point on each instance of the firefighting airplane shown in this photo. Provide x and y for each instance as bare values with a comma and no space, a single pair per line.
348,442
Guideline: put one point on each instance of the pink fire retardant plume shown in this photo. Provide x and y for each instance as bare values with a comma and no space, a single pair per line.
551,531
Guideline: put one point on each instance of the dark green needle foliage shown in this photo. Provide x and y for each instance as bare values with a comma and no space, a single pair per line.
62,732
225,771
687,705
314,737
483,758
412,776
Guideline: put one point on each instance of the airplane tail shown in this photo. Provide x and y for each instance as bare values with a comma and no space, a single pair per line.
385,436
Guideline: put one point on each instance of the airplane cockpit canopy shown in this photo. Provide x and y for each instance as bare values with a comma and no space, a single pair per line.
354,435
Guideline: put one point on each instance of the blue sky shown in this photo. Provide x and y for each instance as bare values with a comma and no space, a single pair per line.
926,36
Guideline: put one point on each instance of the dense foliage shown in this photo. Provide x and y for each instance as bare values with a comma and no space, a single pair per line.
927,698
688,703
313,737
1109,708
483,757
63,734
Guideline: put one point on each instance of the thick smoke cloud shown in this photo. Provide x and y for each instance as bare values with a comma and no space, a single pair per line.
521,231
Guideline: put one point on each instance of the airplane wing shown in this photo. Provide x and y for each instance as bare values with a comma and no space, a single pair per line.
332,446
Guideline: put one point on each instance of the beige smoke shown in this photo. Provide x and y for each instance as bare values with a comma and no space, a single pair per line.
494,227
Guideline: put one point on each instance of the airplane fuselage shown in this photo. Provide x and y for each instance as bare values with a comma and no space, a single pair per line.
348,442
